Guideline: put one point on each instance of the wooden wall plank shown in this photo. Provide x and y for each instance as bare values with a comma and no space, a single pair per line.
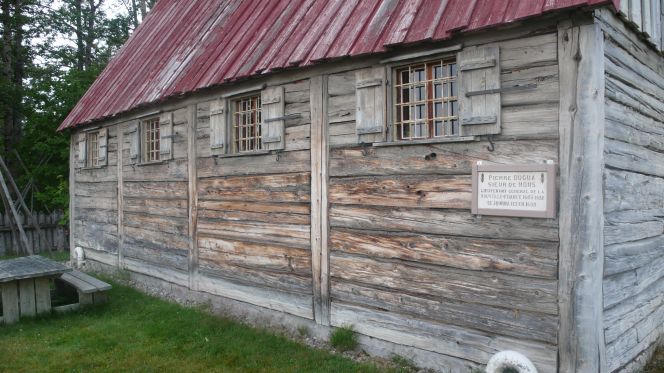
437,159
581,337
497,320
463,343
192,194
295,304
434,191
523,258
443,222
43,295
318,164
10,302
28,303
495,289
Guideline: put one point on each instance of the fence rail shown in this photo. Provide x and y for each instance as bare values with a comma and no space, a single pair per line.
53,235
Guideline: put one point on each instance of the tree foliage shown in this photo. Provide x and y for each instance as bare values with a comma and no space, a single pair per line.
52,51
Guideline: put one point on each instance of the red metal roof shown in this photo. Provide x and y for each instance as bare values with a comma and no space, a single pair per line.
184,46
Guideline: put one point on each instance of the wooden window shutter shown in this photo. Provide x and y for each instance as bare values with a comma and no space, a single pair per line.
102,137
166,136
371,104
479,96
82,150
134,142
218,125
272,116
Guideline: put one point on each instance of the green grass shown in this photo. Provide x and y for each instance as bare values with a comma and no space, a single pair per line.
344,338
139,333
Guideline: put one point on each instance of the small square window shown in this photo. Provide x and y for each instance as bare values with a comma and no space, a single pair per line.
150,140
425,101
92,157
247,124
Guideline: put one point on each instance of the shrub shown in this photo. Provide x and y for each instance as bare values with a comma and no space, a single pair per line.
344,338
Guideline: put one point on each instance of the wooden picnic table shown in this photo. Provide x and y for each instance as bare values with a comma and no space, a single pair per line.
25,286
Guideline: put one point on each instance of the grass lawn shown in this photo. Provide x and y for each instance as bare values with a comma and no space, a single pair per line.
138,333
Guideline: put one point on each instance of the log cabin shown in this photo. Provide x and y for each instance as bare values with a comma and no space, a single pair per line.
330,163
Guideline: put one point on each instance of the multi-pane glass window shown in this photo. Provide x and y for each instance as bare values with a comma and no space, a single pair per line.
426,101
92,142
247,124
150,133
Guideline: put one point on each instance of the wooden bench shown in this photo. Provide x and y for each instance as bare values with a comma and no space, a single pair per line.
90,290
25,286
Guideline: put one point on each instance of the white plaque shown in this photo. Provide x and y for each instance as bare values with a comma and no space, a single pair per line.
514,190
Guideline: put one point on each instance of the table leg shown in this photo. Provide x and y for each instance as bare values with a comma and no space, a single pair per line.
43,295
10,312
26,290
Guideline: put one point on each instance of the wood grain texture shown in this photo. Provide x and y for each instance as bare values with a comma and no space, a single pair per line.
443,222
293,303
581,337
405,191
10,302
445,339
634,196
496,289
502,321
437,159
43,295
319,206
523,258
264,188
27,301
192,194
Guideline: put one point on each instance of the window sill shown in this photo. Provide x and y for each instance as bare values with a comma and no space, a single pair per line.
443,140
92,167
245,154
161,161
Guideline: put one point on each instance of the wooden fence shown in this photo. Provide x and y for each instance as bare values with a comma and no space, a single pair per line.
53,235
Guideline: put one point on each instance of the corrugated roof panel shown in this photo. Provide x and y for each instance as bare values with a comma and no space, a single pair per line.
354,27
185,46
427,19
523,9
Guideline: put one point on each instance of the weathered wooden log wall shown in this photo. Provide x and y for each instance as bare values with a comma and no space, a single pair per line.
647,16
396,252
253,230
52,237
634,195
410,264
94,206
155,224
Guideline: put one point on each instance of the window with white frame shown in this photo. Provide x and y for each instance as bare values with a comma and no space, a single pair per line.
150,140
246,124
425,100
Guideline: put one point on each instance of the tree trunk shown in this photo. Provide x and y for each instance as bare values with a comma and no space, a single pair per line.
13,70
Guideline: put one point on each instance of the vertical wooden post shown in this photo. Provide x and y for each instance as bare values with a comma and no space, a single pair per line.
120,196
193,196
319,206
581,336
10,313
43,295
27,301
72,189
